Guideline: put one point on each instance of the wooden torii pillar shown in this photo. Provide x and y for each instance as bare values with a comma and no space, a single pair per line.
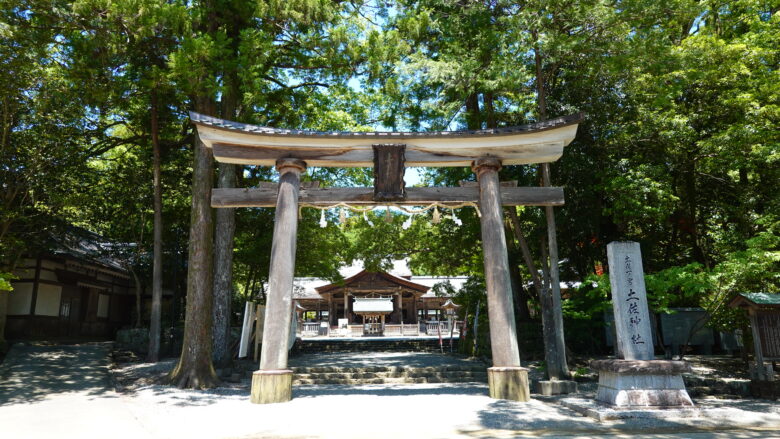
273,382
291,151
506,379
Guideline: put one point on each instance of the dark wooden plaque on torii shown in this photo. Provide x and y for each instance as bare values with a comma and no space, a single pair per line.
389,167
291,151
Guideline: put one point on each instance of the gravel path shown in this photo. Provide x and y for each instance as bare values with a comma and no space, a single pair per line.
64,392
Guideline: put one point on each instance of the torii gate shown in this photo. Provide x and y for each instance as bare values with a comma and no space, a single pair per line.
291,151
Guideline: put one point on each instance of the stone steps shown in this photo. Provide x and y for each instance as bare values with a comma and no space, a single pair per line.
448,368
387,375
400,376
402,380
699,387
303,346
709,392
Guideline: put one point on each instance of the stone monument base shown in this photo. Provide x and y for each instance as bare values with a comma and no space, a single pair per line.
605,412
270,386
509,383
642,384
556,387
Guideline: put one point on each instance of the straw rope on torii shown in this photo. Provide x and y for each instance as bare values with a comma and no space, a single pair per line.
412,212
291,151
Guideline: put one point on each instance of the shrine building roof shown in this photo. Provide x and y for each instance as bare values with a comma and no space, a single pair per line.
756,300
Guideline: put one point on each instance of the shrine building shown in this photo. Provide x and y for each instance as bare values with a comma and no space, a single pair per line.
392,302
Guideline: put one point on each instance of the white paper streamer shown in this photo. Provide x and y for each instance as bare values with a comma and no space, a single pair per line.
408,222
323,221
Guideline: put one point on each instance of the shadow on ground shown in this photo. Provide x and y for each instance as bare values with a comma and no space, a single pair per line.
185,398
168,395
532,416
538,418
31,372
386,390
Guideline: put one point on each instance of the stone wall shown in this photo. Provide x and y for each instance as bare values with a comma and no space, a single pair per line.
765,389
137,340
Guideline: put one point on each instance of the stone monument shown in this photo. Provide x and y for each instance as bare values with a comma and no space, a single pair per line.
636,379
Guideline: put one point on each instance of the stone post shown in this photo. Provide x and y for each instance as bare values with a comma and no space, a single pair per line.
506,379
629,301
273,382
636,379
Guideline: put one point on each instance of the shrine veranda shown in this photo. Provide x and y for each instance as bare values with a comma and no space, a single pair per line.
485,151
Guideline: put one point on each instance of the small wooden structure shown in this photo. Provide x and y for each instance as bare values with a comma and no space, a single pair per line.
450,307
73,289
485,151
764,313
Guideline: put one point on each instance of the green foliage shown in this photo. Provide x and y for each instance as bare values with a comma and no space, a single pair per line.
755,269
471,297
590,300
679,149
677,287
669,288
5,281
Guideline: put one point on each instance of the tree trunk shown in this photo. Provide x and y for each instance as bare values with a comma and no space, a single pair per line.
472,112
522,313
490,114
557,368
195,368
223,243
226,218
552,314
529,260
223,269
176,314
154,324
518,291
692,197
541,99
545,260
138,295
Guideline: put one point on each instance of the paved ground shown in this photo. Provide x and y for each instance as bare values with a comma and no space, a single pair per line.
61,391
64,392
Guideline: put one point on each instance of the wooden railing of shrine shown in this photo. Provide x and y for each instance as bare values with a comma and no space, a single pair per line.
433,328
309,329
314,329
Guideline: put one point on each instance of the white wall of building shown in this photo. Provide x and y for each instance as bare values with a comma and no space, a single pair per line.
47,302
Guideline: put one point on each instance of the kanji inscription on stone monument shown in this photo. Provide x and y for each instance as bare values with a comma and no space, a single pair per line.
629,301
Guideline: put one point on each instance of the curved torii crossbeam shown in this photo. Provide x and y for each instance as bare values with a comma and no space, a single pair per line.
234,142
291,151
